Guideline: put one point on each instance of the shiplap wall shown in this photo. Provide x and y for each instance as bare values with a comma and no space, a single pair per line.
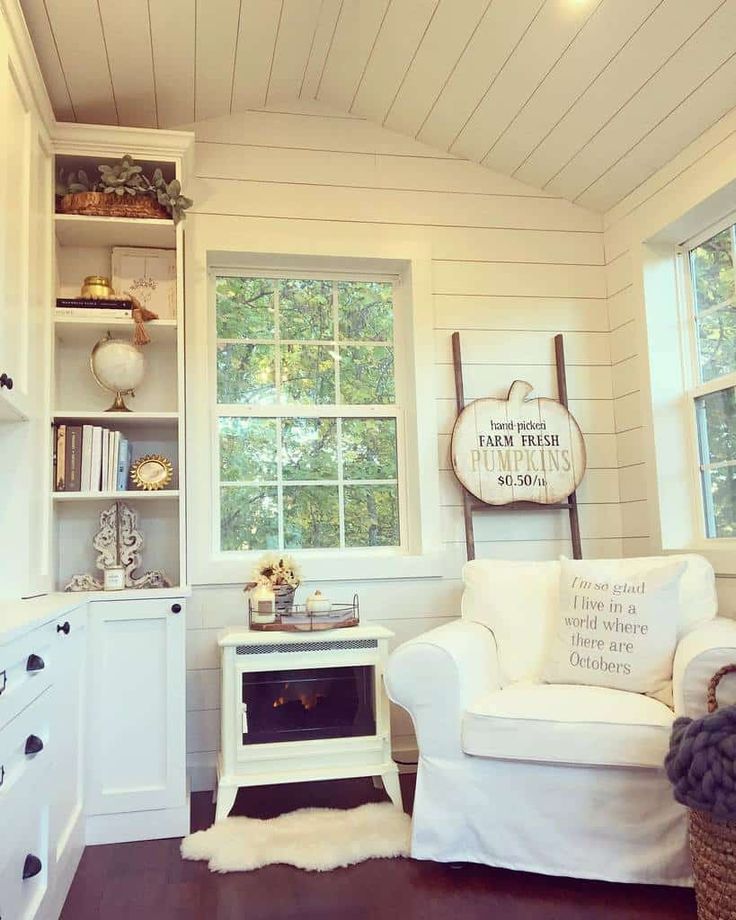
511,267
701,171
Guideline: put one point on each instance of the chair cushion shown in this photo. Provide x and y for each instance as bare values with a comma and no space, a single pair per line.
518,601
559,723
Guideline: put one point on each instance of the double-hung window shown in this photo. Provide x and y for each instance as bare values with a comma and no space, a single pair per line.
308,418
713,298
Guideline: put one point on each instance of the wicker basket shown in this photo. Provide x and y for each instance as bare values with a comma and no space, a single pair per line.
713,847
98,204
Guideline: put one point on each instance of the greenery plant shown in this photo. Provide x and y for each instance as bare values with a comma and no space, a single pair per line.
122,178
126,177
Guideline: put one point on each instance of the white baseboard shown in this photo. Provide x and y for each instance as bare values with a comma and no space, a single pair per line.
202,771
157,824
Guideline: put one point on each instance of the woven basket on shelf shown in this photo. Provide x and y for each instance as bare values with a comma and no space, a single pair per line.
713,847
98,204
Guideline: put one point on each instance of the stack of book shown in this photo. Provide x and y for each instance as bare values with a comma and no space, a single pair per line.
88,458
117,308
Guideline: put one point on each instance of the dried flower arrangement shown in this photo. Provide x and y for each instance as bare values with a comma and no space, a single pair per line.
120,181
275,569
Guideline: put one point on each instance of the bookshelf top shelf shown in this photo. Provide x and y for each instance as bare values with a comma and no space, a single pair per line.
81,230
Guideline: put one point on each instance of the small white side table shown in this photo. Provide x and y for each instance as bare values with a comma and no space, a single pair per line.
243,763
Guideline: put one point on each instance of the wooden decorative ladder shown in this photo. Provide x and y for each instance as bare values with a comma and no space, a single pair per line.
473,505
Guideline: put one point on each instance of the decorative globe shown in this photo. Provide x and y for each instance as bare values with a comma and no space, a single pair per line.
117,366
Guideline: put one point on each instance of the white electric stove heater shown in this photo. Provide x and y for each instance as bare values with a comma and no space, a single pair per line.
303,706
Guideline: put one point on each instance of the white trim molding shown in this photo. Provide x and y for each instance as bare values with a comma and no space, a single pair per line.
217,241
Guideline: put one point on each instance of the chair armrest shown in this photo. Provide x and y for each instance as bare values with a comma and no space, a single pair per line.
699,655
437,675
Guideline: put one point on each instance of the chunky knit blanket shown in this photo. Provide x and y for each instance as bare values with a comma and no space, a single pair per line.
701,763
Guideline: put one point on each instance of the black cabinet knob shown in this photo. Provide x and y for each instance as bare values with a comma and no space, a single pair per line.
6,381
34,745
63,628
35,663
176,608
32,866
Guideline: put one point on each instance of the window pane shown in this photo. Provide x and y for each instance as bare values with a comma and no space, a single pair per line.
247,449
717,343
367,375
311,517
245,308
716,415
366,310
307,374
371,516
719,492
369,448
309,447
717,425
305,309
249,518
712,266
246,374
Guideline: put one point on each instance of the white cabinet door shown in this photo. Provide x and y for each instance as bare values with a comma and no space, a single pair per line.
67,700
16,117
136,689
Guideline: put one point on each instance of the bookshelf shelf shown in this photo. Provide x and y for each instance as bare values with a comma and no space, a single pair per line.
114,496
117,418
80,230
155,425
81,330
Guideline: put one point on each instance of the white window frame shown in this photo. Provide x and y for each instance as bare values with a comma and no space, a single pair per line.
695,388
334,410
213,241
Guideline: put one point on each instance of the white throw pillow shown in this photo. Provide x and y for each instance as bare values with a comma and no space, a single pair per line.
517,600
617,626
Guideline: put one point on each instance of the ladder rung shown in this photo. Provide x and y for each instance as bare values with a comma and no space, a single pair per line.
520,506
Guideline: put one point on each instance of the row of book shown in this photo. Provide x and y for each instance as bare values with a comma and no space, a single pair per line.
89,458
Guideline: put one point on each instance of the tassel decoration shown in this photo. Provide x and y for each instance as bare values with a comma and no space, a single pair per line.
140,315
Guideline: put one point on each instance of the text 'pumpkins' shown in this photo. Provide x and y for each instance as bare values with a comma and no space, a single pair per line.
518,449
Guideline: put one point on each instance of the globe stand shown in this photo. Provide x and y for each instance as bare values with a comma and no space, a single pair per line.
113,375
119,405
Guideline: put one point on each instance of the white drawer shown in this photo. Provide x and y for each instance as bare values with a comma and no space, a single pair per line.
27,666
25,854
25,752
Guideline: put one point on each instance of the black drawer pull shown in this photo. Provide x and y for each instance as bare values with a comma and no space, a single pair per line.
6,381
35,663
63,628
3,680
2,775
32,866
34,745
176,608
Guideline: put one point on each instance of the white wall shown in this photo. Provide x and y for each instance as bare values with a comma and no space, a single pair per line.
695,183
511,267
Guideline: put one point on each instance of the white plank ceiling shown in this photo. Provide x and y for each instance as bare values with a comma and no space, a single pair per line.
581,98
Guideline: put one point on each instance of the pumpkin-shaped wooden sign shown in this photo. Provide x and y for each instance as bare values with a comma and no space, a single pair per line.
518,449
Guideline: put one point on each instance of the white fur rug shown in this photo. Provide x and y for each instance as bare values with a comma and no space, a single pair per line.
311,838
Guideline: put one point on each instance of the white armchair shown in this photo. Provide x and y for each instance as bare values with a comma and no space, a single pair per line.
558,779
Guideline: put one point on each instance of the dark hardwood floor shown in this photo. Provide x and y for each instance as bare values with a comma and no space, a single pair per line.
149,881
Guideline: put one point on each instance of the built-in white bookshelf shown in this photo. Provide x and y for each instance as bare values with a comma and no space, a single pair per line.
83,246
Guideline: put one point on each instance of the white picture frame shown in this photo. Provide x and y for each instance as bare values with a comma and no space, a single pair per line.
149,275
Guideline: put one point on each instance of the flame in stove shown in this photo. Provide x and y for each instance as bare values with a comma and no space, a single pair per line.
308,700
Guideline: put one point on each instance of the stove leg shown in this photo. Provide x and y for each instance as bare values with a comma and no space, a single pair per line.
391,784
225,800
